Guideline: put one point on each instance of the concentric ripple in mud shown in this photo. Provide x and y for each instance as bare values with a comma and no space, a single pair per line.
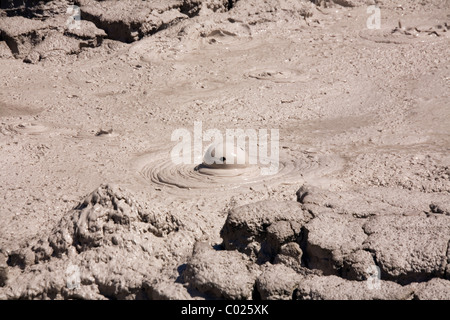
156,168
25,128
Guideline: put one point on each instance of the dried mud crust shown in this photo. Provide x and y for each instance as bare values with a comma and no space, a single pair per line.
425,173
270,250
40,30
35,40
305,251
298,251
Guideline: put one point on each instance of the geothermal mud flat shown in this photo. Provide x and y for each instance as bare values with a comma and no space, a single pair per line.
94,206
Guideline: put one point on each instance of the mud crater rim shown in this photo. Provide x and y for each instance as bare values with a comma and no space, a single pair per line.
155,168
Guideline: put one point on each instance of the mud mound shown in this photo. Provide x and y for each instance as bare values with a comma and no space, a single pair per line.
108,216
156,167
104,238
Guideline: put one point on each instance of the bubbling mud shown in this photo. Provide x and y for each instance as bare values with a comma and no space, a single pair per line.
157,169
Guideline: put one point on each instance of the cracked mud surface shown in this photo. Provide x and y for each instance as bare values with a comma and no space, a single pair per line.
94,208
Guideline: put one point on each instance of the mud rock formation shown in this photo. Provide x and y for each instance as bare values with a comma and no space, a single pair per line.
5,52
34,30
213,273
331,239
21,34
336,288
260,229
290,254
129,21
33,40
319,201
277,282
435,289
3,269
406,247
440,207
342,249
410,248
357,265
38,9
